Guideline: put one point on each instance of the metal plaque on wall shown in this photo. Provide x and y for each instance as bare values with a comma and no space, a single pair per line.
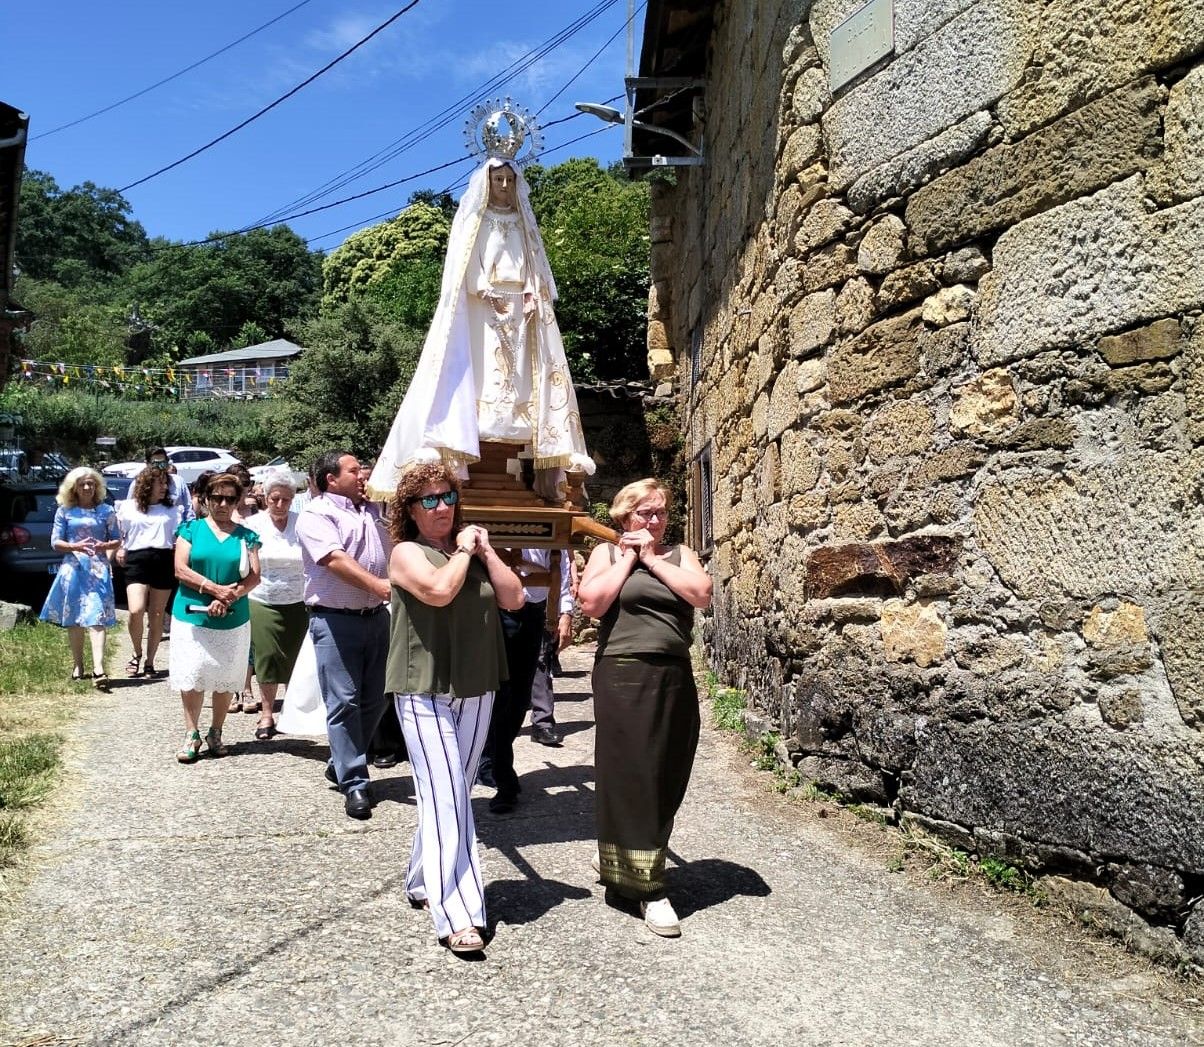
866,36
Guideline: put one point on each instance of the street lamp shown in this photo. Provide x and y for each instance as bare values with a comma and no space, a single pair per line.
610,115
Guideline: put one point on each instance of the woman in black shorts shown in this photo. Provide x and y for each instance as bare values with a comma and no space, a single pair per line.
148,520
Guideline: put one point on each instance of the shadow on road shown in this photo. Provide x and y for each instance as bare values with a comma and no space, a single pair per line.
698,885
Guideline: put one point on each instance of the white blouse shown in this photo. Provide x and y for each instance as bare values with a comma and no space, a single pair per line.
153,529
281,578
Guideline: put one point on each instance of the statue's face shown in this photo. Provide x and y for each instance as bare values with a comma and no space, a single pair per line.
501,187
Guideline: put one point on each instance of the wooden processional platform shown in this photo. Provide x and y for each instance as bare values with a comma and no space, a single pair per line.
518,518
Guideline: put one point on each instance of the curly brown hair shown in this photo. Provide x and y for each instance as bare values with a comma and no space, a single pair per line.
143,485
414,478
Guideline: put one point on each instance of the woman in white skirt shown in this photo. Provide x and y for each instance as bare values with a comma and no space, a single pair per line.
217,564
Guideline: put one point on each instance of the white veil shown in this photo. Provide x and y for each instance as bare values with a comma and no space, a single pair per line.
438,416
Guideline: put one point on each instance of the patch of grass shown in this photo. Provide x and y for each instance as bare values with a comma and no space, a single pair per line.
36,699
813,793
728,705
765,758
947,862
26,767
868,814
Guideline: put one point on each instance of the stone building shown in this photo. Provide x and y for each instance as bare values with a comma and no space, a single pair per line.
938,344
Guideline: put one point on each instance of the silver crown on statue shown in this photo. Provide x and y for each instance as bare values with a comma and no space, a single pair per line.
503,129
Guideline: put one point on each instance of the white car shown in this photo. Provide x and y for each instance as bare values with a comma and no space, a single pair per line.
189,463
279,464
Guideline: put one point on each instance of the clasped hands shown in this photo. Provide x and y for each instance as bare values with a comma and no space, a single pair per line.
639,542
223,597
473,540
502,307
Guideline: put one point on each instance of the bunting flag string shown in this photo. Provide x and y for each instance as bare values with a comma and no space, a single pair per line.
149,382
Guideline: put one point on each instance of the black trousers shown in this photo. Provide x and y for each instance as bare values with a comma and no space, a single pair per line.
523,630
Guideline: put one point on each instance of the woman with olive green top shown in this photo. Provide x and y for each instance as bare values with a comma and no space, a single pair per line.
446,659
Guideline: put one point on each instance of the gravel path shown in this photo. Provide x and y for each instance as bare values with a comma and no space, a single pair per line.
232,902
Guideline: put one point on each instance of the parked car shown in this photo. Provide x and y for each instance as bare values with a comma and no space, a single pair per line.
189,463
14,464
280,463
27,561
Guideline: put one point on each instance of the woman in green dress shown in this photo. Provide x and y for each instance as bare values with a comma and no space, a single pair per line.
217,564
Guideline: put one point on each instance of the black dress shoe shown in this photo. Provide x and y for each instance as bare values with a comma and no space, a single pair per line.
503,803
330,774
485,775
358,804
385,760
544,734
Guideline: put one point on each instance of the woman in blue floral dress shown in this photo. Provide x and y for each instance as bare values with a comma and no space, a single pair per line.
81,597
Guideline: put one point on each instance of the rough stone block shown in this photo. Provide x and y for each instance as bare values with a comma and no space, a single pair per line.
1067,276
1097,908
857,522
783,401
952,463
918,166
1179,627
14,614
987,405
1082,50
856,306
1098,791
812,323
908,285
800,152
883,246
904,427
966,265
811,96
964,67
913,633
1182,173
827,220
851,779
801,464
881,568
1121,709
828,267
1092,147
1114,528
950,305
1157,341
881,356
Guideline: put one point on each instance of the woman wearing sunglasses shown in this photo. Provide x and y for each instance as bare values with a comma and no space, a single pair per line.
217,564
446,660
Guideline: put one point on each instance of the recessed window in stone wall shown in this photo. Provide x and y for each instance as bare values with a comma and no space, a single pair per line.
702,534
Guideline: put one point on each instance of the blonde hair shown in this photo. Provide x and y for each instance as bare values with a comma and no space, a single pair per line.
67,497
631,496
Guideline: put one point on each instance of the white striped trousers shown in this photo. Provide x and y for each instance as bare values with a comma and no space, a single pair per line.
445,737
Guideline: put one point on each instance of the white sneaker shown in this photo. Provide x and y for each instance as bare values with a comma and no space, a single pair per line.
660,918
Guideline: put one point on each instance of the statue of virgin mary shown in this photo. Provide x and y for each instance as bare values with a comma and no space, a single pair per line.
493,366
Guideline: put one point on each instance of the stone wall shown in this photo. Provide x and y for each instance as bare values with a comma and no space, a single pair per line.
952,382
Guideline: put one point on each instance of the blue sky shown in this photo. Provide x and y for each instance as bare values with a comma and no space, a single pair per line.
71,58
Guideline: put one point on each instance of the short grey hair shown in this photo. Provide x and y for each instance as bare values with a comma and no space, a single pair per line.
274,478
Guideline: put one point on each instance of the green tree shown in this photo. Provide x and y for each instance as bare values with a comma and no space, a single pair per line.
77,235
75,325
344,390
595,231
368,256
266,276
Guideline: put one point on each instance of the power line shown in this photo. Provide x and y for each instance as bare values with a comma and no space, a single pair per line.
272,105
593,58
445,116
174,76
462,181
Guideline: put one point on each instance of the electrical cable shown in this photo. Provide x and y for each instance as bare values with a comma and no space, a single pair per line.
174,76
461,182
272,105
569,83
447,115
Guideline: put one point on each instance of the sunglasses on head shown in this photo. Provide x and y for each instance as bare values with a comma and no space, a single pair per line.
223,499
429,501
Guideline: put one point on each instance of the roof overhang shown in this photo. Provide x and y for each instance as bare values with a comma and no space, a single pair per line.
664,111
14,130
